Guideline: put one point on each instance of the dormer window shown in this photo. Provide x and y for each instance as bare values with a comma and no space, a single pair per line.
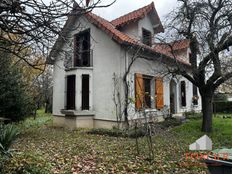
82,53
147,37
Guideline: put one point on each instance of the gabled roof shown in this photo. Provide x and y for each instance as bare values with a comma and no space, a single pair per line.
136,15
107,27
116,35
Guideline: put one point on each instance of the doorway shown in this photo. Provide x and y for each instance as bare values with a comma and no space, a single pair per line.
173,97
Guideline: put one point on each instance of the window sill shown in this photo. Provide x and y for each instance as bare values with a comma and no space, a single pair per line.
75,113
77,68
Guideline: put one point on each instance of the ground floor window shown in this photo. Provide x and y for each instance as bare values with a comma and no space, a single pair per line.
85,92
71,92
148,92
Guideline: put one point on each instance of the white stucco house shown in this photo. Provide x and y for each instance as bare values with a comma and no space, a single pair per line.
91,59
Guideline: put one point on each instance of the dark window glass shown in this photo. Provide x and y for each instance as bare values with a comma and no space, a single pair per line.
85,92
147,37
71,88
147,92
82,49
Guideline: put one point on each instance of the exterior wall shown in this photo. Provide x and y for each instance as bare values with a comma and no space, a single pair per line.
131,30
108,58
146,24
58,87
156,69
134,29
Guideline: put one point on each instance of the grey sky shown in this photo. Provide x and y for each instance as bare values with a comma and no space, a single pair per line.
121,7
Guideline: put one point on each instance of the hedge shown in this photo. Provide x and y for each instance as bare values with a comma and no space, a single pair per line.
224,107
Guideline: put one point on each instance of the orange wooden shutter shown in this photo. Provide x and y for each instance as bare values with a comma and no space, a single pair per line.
159,93
139,91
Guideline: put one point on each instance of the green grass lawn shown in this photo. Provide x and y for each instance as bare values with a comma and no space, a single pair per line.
44,149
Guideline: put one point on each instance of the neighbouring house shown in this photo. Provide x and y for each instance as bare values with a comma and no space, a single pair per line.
91,58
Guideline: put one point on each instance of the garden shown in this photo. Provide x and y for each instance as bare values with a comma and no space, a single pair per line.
41,148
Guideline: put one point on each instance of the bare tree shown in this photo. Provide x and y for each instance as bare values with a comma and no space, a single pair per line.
32,26
208,26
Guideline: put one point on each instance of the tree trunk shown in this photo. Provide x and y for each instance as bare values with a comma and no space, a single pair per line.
207,110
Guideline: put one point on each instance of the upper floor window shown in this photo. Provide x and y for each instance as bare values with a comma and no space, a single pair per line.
82,53
147,37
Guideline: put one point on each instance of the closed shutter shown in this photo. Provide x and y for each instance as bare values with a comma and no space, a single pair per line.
139,91
159,93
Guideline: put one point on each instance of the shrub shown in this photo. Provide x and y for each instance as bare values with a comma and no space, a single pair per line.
223,107
8,134
15,100
193,115
110,132
26,163
170,122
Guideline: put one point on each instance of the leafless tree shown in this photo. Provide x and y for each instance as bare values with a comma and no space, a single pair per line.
207,25
32,26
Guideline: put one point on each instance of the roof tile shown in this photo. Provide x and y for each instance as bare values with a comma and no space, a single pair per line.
133,16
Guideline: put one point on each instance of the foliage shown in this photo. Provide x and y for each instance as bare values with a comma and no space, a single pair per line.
118,132
109,132
26,163
42,119
170,122
38,25
8,134
207,26
193,115
219,97
56,150
224,107
15,103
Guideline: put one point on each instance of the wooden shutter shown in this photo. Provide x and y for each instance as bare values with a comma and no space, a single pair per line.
159,93
139,91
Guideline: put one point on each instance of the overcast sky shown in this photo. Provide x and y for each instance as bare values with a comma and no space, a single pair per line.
121,7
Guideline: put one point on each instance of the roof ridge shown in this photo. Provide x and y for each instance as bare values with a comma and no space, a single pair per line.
144,10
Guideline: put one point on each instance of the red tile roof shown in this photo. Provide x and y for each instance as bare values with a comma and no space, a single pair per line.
136,15
107,27
124,39
132,16
177,45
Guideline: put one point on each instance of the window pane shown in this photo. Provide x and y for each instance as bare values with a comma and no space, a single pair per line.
71,88
85,92
82,49
147,37
147,91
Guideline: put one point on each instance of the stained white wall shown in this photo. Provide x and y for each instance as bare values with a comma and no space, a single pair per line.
131,30
146,24
107,60
58,87
156,69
